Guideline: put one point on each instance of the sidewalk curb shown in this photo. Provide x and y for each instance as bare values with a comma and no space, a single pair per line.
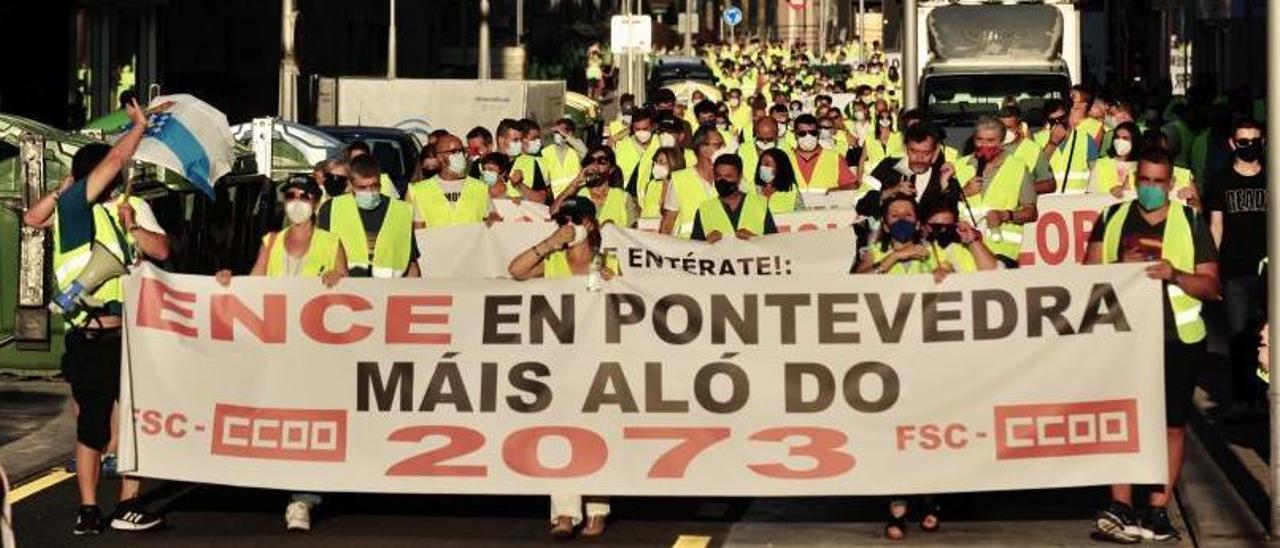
1213,508
43,448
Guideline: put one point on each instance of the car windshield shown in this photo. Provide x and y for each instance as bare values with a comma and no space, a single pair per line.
673,73
962,98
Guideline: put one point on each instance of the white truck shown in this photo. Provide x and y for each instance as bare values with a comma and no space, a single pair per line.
973,54
454,105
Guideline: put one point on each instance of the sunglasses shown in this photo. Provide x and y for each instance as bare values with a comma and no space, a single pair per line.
1248,142
448,152
806,133
336,178
564,219
295,195
1059,121
600,160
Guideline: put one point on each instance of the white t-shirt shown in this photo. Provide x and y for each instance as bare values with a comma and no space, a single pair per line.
146,219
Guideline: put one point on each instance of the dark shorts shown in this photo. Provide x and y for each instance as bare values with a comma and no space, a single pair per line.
1181,365
91,365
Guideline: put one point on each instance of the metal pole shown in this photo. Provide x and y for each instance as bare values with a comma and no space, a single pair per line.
862,31
519,22
1273,249
287,102
391,43
910,65
482,64
822,27
688,27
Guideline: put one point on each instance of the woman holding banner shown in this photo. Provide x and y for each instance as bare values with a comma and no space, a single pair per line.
940,247
301,250
572,250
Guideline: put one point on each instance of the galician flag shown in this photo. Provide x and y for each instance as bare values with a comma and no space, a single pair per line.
189,137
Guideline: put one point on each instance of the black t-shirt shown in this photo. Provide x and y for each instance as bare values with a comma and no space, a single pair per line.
1148,239
1243,203
372,221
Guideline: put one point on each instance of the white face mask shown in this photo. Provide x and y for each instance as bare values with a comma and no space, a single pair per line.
667,140
661,171
514,148
886,122
298,211
579,235
458,163
1123,146
782,130
860,116
807,143
1010,137
643,136
534,146
765,145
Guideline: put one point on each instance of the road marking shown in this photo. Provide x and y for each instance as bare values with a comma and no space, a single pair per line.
691,541
39,484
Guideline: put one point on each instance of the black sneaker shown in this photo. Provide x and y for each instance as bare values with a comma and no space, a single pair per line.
88,521
1118,523
131,516
1156,522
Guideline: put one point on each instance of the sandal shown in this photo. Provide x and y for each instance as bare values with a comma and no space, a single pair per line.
897,521
594,527
563,528
934,515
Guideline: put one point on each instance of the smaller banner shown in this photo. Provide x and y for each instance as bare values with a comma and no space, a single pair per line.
1061,234
477,251
799,221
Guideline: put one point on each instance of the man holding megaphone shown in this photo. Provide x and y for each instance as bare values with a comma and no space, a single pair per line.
99,231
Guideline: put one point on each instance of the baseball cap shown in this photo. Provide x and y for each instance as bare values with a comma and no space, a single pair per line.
304,183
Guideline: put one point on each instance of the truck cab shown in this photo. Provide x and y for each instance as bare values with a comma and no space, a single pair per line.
975,55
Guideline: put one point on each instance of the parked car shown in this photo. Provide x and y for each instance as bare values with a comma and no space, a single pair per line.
395,149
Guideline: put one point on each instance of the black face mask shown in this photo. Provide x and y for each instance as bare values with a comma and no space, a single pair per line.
1249,153
429,173
725,188
335,185
944,235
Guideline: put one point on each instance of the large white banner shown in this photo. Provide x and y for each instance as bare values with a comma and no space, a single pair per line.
477,251
804,385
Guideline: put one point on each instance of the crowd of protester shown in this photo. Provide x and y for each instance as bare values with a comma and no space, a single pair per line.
1188,171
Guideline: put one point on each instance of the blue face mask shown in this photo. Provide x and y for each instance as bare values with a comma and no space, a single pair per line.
766,174
368,200
1151,197
902,230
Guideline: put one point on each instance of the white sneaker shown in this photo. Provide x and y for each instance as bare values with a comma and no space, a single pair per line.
297,516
